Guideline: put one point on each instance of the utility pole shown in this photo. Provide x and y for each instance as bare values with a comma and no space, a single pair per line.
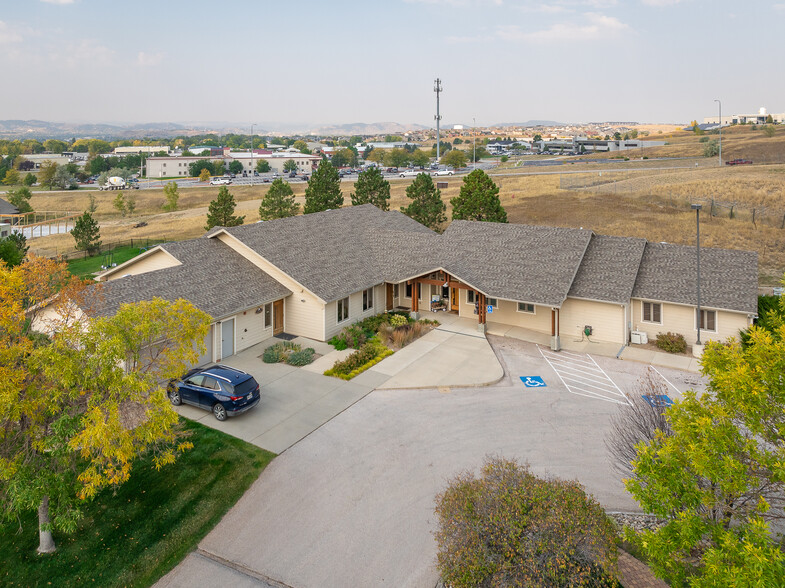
474,143
437,87
720,103
253,169
697,209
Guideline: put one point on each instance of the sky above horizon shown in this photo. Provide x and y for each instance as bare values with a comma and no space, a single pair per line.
336,62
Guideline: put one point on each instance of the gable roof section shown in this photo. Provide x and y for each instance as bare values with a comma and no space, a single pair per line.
515,262
608,269
337,252
729,278
212,276
7,208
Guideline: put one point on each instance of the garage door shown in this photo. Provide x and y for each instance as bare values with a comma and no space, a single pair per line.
227,338
208,342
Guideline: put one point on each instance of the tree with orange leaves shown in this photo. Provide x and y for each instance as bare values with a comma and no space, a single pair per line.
80,394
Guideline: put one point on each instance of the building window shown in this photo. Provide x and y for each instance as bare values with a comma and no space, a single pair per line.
492,302
652,312
268,315
367,299
525,307
708,320
469,296
408,290
395,290
343,309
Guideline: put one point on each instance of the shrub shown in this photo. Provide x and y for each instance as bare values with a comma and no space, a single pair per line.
671,342
300,358
271,355
511,528
358,359
282,352
339,343
398,320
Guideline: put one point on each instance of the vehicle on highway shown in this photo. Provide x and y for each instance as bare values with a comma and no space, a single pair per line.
224,390
118,183
292,174
410,173
739,162
392,170
443,172
220,181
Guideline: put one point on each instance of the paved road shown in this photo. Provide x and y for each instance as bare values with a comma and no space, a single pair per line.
352,503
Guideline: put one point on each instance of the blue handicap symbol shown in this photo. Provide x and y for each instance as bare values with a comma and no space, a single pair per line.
490,309
658,400
533,381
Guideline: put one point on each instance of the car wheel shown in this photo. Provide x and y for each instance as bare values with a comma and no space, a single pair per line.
219,412
174,397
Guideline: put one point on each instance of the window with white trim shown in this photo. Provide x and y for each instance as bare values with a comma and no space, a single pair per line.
526,307
343,309
268,315
492,302
469,296
708,319
395,290
652,312
367,299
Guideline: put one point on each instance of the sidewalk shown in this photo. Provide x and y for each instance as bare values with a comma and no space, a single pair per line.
627,352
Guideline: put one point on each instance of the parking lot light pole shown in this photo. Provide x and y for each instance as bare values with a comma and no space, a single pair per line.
474,143
720,104
253,169
697,209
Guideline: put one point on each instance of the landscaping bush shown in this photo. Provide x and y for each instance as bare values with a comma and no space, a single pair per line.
300,358
671,342
288,352
359,361
398,320
401,336
511,528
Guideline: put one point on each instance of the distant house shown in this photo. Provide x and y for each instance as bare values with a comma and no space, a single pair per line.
313,275
7,208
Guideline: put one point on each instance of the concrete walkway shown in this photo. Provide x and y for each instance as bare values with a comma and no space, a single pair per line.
454,354
627,352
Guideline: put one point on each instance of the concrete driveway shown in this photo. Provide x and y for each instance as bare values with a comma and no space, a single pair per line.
352,503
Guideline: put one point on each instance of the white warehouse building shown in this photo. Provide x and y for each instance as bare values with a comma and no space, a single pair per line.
168,167
759,118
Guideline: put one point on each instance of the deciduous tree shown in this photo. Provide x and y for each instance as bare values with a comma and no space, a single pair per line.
80,403
29,180
236,167
718,479
301,146
47,173
478,200
220,212
278,202
455,158
324,189
86,233
13,249
290,165
172,195
119,204
427,206
263,166
204,175
20,198
11,177
371,188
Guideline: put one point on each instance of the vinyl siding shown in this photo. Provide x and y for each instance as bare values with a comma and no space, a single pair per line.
250,329
681,319
159,259
332,327
303,311
605,319
404,302
506,313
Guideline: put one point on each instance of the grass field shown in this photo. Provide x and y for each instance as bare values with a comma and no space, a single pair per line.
88,267
135,535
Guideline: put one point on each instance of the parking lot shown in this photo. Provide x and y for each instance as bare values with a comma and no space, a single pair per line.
352,503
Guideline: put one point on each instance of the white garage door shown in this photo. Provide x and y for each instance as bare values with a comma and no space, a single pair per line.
207,357
227,338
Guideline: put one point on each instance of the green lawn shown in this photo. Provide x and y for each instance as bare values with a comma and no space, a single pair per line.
88,267
133,536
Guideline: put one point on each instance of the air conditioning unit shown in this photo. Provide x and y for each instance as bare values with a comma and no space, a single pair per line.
639,337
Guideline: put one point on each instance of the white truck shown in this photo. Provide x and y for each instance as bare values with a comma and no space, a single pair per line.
118,183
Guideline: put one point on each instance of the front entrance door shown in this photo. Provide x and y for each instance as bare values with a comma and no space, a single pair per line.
389,296
227,338
277,317
454,298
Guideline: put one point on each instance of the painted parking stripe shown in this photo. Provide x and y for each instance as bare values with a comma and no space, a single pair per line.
583,376
667,381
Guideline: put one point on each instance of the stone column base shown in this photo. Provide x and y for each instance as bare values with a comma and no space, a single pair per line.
482,327
415,315
555,343
697,350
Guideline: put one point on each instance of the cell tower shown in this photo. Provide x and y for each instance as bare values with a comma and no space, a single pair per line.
437,87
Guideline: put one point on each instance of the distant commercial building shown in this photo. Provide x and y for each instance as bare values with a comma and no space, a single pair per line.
39,159
759,118
167,167
139,149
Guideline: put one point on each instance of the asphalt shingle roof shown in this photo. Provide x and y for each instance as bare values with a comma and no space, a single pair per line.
608,269
729,278
515,262
338,252
7,208
212,276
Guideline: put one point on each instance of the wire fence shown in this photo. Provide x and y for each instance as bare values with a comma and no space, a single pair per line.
612,183
105,248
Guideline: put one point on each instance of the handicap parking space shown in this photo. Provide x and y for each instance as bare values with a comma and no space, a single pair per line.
583,376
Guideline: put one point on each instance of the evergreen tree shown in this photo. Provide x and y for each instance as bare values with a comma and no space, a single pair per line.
478,200
278,202
372,188
20,198
86,233
427,207
324,189
220,213
13,249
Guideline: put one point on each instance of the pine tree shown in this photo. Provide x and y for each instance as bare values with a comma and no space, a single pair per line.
86,233
372,188
427,207
220,213
478,200
278,202
324,189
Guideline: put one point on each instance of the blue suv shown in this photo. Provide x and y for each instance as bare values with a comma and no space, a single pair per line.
224,390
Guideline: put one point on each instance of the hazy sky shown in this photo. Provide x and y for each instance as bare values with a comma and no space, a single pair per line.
334,61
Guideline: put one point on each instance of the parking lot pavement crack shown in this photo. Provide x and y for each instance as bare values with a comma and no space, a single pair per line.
241,569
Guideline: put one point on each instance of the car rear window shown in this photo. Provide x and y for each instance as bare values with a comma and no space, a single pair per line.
245,387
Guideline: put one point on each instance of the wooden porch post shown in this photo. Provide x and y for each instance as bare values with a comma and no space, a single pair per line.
415,300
